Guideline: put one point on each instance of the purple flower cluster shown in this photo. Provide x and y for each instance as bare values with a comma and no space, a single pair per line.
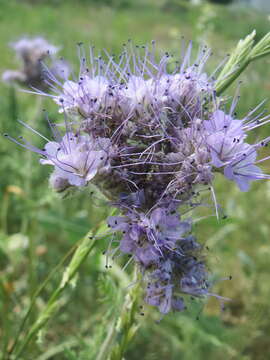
152,135
160,242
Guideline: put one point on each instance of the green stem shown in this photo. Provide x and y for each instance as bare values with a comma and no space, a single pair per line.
38,291
107,343
244,53
52,305
32,120
52,352
6,308
220,88
4,212
123,329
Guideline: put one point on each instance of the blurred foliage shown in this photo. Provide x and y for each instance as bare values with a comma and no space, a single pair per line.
225,2
38,227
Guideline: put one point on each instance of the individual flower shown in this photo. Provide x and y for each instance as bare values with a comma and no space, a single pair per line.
242,169
77,158
136,95
87,97
226,139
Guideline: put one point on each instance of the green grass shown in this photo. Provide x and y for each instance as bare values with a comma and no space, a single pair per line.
38,227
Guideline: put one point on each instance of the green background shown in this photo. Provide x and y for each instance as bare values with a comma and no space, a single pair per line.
37,227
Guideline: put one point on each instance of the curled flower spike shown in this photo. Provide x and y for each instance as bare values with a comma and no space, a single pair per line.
170,259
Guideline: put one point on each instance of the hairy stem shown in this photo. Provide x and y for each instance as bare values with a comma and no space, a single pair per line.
244,53
122,329
52,305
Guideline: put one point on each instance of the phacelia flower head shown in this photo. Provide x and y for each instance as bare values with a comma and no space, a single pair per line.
151,133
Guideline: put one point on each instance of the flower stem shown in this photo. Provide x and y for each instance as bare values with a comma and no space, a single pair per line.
244,53
52,305
35,296
123,329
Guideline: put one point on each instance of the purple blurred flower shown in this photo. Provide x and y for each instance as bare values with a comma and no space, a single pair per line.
32,52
